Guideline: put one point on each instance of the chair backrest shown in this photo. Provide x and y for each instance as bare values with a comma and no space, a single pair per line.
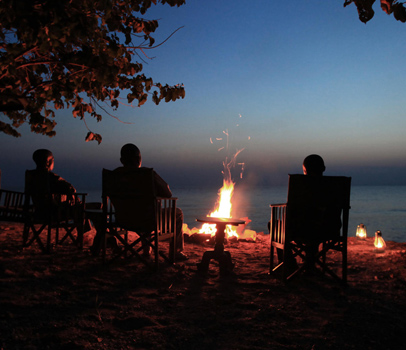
11,206
132,194
316,206
38,193
47,200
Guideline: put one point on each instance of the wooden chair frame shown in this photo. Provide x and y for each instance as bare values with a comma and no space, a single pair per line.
11,206
292,248
163,225
66,216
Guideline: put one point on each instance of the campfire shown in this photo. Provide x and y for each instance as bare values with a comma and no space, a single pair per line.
223,209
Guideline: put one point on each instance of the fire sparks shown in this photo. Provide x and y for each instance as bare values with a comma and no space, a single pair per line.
224,207
242,169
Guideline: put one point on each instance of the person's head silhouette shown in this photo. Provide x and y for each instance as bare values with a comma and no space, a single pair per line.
44,159
130,155
313,165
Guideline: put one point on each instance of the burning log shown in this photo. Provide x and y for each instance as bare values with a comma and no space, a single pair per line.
199,238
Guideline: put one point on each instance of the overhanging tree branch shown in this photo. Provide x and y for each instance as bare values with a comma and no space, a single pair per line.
54,51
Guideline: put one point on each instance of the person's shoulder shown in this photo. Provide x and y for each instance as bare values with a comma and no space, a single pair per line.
128,168
133,170
145,170
50,173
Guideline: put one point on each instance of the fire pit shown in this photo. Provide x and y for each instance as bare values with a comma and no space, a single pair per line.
223,257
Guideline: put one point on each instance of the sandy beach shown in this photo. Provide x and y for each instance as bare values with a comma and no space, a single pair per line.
70,300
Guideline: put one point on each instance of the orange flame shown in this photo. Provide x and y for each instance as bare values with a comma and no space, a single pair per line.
224,203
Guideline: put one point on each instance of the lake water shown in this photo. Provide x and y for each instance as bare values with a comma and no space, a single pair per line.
378,207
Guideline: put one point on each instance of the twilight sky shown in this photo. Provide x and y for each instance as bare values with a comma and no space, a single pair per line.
286,79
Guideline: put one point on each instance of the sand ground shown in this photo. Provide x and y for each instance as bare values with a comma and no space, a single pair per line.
70,300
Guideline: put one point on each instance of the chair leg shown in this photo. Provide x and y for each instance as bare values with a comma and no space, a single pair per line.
27,241
57,241
80,233
321,260
156,250
104,245
344,263
271,257
26,233
49,237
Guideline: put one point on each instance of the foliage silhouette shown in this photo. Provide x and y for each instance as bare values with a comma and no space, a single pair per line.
78,54
365,11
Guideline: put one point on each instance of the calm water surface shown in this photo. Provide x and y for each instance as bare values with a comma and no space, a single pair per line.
378,207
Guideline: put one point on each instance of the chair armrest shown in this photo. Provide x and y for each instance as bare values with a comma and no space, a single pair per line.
94,206
278,205
9,191
81,197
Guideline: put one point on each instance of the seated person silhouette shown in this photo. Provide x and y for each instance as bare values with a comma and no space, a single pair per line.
313,165
131,159
44,182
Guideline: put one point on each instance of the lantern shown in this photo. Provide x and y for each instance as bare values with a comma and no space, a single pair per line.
379,242
361,231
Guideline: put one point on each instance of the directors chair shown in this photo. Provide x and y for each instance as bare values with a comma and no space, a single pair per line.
130,205
313,222
46,211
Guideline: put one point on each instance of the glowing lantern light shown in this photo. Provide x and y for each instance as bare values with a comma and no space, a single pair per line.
361,231
379,242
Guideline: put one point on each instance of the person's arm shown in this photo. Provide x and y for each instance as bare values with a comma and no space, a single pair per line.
60,185
161,187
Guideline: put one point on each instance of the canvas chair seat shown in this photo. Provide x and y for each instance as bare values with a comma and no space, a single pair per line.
130,205
313,222
46,212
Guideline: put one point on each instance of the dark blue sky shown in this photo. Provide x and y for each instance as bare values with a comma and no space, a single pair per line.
286,79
